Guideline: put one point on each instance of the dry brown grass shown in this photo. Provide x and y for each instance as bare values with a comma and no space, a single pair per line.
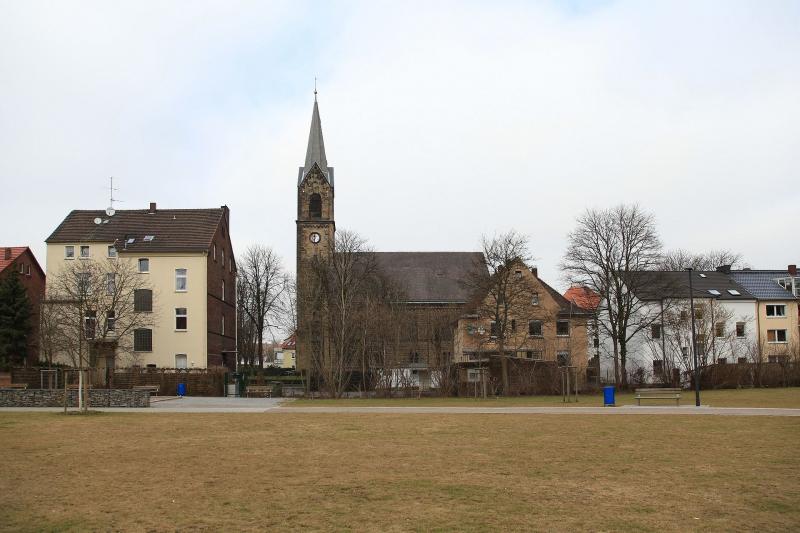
382,472
779,397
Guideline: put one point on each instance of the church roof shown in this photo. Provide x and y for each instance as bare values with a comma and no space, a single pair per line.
315,152
431,277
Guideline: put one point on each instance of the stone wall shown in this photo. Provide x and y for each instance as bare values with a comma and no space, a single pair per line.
55,398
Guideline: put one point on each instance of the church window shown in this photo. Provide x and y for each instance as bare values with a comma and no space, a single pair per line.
315,206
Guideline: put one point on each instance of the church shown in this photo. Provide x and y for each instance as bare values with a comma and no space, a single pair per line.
445,342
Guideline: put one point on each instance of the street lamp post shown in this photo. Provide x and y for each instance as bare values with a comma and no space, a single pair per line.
694,342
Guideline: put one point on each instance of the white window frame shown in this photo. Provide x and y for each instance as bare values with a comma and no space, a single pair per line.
744,330
184,276
223,290
185,315
776,341
69,251
223,325
88,251
112,255
569,329
775,308
185,359
111,283
139,265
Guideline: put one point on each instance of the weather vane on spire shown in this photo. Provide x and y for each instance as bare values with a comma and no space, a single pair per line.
315,88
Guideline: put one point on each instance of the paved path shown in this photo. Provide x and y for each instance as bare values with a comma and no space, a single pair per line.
167,404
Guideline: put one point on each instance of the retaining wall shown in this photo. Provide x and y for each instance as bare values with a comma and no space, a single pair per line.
55,398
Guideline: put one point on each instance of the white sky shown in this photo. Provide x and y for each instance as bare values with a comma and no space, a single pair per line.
443,121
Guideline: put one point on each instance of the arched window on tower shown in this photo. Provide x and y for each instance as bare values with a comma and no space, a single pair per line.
315,206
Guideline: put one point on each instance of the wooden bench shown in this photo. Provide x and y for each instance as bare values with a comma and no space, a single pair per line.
261,391
17,386
152,388
658,394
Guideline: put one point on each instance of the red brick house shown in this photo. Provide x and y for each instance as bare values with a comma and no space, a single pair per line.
20,259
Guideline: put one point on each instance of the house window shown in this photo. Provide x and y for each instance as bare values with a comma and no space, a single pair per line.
111,283
143,300
222,326
535,328
740,329
69,252
90,324
722,360
111,321
513,325
776,335
562,358
223,259
776,310
494,329
180,319
28,269
22,268
518,274
112,251
84,285
315,206
143,340
698,312
777,359
596,341
534,354
701,344
719,329
223,290
473,375
214,251
658,366
84,252
535,298
180,360
655,331
144,265
562,328
180,279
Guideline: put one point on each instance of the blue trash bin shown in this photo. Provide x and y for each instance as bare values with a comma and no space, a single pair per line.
608,396
181,389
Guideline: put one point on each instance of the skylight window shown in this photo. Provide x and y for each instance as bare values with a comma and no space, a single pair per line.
149,238
702,275
715,292
131,240
734,292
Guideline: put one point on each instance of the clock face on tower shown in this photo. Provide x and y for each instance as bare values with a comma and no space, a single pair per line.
314,237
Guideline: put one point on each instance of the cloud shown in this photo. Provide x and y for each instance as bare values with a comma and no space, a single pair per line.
443,120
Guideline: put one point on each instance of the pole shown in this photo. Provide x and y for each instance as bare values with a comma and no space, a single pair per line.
694,343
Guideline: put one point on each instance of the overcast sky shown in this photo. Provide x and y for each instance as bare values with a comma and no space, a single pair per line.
444,121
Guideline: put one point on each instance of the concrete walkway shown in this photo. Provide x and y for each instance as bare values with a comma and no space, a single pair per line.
174,404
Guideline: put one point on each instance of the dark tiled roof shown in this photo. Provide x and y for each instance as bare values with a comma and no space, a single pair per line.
431,276
655,285
762,284
174,230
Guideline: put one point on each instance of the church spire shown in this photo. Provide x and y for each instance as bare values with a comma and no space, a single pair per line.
315,153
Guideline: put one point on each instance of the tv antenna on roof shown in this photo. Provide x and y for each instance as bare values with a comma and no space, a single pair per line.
110,209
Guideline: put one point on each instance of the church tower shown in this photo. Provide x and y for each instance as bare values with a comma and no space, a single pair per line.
315,231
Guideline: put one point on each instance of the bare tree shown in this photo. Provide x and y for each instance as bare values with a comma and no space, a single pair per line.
604,252
502,294
94,309
341,283
679,259
265,283
246,334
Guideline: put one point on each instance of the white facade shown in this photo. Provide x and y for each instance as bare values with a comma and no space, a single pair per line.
725,330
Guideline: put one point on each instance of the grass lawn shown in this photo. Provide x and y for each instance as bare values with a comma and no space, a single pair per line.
387,472
780,397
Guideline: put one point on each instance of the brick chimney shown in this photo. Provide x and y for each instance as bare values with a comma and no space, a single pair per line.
535,272
793,270
8,254
152,208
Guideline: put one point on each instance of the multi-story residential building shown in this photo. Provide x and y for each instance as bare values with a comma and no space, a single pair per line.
660,334
286,355
21,261
187,259
778,314
541,326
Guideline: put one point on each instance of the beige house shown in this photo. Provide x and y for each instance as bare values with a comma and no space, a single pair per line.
778,309
186,258
542,328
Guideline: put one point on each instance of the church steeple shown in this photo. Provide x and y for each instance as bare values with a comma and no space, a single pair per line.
315,153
